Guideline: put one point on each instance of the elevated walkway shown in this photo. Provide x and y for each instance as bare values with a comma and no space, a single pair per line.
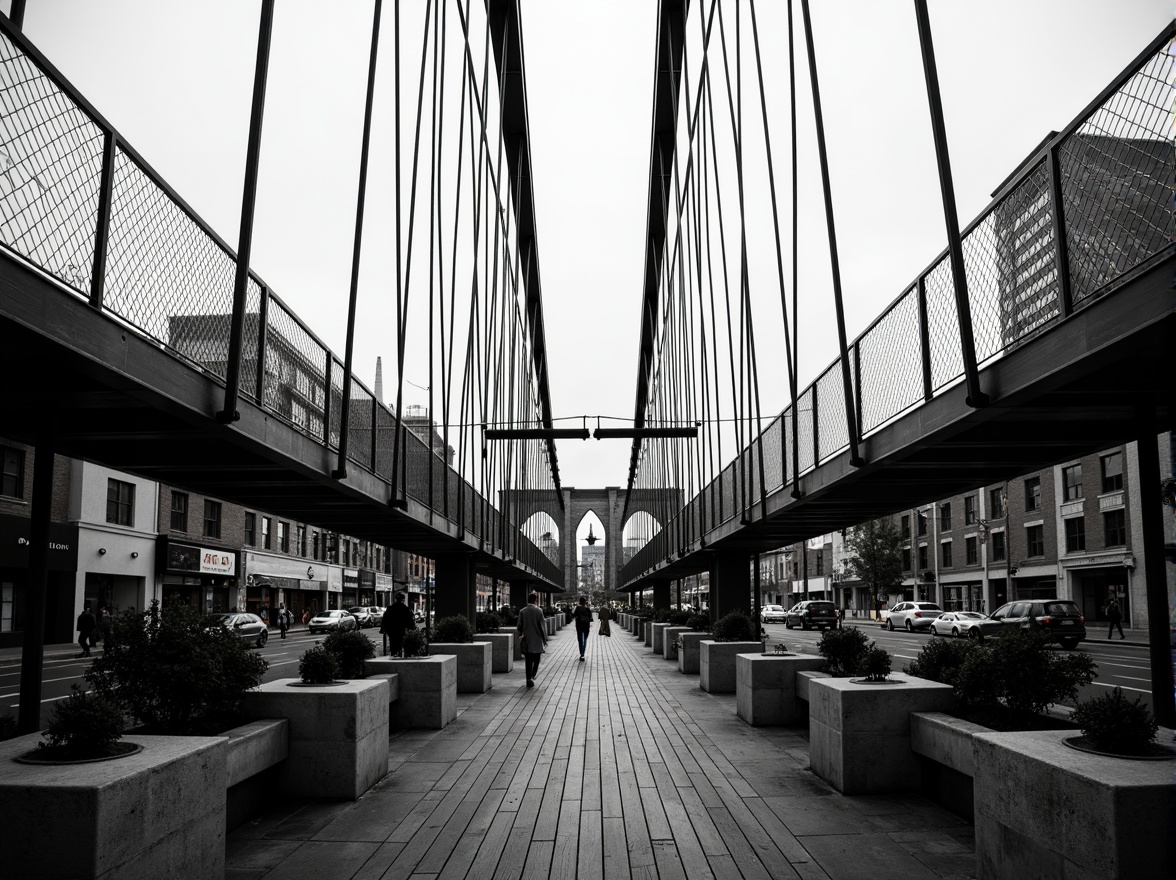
616,767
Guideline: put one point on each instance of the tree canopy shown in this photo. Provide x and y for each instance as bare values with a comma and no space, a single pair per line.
875,549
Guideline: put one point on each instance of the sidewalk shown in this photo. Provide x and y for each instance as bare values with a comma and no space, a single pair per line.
614,768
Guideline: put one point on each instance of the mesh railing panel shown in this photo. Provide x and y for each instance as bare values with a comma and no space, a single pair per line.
50,171
773,449
891,363
164,273
943,326
1117,175
385,442
359,427
336,408
804,429
833,431
786,428
295,371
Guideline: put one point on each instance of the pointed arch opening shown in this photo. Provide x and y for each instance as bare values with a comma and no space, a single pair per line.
544,534
639,530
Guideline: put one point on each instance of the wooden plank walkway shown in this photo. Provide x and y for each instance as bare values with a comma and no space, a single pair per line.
618,767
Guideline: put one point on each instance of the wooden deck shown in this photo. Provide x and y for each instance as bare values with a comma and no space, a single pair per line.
613,768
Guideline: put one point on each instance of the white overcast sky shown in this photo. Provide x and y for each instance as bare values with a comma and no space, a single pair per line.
175,79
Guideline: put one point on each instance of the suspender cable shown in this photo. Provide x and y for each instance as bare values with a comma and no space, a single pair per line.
795,270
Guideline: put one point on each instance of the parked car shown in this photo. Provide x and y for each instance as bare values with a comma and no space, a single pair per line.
912,615
247,627
362,616
773,614
1059,617
972,624
375,614
332,621
816,613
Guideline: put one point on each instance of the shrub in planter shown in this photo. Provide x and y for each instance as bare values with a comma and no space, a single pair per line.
680,618
453,629
174,671
699,623
415,644
844,651
735,627
1112,723
350,649
941,659
645,613
84,726
509,616
489,622
875,665
318,666
661,615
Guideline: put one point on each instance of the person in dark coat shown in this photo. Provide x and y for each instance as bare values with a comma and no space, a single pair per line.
397,620
1115,616
85,627
532,636
583,617
605,616
105,625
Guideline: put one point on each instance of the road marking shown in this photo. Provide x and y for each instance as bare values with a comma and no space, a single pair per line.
1104,685
46,700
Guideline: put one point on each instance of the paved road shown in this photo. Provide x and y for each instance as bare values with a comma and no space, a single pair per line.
61,672
1119,664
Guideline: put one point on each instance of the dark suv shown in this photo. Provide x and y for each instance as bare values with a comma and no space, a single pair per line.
1059,617
814,613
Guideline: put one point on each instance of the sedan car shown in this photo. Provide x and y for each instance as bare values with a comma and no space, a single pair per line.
773,614
247,627
362,616
912,615
815,613
332,621
1060,618
972,624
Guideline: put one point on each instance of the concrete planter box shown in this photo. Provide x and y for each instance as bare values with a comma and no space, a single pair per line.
338,734
428,692
946,740
254,747
501,650
690,652
516,646
765,688
659,630
158,813
669,638
647,632
475,663
860,734
716,664
803,680
1047,811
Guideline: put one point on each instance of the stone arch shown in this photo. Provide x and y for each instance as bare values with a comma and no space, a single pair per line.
545,533
643,520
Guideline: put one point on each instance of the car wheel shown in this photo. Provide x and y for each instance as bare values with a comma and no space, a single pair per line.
909,628
974,633
262,638
955,632
890,624
1069,644
803,626
787,623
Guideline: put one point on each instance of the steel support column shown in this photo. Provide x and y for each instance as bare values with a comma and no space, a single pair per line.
455,591
32,656
1155,575
730,583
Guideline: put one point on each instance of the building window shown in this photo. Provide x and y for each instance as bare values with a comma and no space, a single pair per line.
970,510
301,540
922,556
314,544
120,502
1033,493
971,551
1115,528
179,513
283,536
945,552
1075,535
265,532
906,558
1035,540
998,546
1072,482
1112,472
945,517
922,524
906,526
996,503
250,529
12,477
347,551
820,562
212,518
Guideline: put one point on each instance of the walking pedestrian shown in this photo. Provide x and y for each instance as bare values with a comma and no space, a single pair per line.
583,617
85,628
604,615
397,620
105,625
532,636
1114,615
283,618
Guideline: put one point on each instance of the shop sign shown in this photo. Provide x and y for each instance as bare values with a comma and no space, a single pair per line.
334,580
367,578
217,562
350,579
384,582
14,548
205,560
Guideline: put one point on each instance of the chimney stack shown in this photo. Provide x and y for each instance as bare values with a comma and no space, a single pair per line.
379,381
